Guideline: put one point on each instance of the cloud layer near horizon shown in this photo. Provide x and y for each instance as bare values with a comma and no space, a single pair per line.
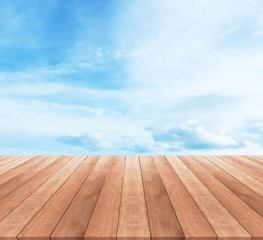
118,77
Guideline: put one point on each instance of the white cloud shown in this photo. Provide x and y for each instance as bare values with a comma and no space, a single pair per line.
185,48
197,60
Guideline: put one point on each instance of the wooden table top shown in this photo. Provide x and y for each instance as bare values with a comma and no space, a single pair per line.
131,197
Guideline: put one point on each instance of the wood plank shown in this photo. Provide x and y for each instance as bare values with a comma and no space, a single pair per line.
16,163
3,157
74,222
223,223
14,223
253,169
26,163
133,219
8,203
104,220
191,219
253,199
238,174
254,159
36,166
250,219
162,218
8,159
117,198
48,217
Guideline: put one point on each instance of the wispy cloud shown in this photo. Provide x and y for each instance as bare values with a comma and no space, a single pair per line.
131,77
194,136
110,142
190,136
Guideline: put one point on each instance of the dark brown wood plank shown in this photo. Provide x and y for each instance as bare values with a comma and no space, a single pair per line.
74,222
48,217
133,219
221,220
14,223
249,219
238,174
8,203
253,169
191,219
104,220
162,218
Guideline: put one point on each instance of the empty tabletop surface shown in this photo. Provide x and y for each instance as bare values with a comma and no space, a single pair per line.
131,197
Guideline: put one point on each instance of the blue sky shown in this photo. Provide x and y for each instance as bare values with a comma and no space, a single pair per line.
131,77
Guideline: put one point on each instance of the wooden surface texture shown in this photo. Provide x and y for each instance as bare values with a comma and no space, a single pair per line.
131,197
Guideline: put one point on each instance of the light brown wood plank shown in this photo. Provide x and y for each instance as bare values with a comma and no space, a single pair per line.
27,163
223,223
254,159
253,199
133,219
196,198
8,159
253,169
250,220
3,157
104,220
12,165
48,217
8,203
74,222
191,219
14,223
162,218
15,182
238,174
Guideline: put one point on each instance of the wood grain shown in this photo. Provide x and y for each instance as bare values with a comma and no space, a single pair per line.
250,197
162,218
11,201
30,171
8,159
251,168
238,174
254,159
74,222
223,223
57,205
189,215
131,197
13,223
234,204
16,165
104,221
133,219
